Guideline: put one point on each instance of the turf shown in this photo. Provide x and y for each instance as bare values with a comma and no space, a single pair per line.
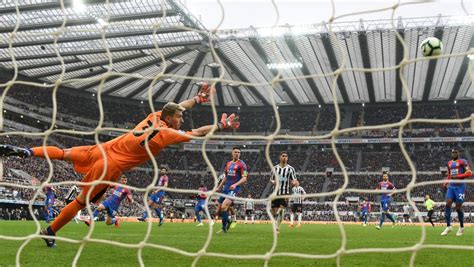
244,239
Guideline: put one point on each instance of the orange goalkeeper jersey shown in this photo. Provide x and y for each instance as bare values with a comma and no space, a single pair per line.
129,150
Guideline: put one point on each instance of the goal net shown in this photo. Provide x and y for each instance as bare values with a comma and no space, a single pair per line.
119,65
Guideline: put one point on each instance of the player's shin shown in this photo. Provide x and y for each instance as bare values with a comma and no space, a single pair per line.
300,215
52,151
66,215
292,218
225,219
447,216
460,217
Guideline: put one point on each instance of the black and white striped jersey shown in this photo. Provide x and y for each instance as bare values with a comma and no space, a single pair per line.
297,196
285,176
72,193
248,204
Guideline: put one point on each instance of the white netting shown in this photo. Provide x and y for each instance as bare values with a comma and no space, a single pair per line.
210,36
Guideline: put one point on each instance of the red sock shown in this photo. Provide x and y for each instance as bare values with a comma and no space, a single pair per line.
52,151
66,215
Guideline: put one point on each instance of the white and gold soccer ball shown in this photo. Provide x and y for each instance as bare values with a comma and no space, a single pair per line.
431,46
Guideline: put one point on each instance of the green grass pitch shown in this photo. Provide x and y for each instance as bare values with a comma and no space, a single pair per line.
244,239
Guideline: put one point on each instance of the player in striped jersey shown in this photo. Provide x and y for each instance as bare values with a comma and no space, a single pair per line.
248,205
285,177
385,200
156,199
49,202
200,205
458,169
236,174
365,209
297,203
112,204
70,196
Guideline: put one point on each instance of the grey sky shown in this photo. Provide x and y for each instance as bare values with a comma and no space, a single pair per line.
260,13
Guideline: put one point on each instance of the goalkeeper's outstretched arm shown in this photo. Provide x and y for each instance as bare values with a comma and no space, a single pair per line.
203,96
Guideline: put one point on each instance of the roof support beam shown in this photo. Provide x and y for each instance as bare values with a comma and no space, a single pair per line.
364,48
192,71
91,65
42,6
220,95
398,59
263,55
290,41
92,37
431,68
137,68
101,51
160,91
242,77
49,64
169,69
462,72
87,21
334,66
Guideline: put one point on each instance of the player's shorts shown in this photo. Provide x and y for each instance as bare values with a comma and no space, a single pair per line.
229,193
406,215
297,208
364,213
279,202
199,208
88,160
385,204
430,213
456,194
110,208
158,197
248,212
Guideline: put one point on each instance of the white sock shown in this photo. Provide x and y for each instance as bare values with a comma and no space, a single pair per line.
292,218
246,219
299,218
253,219
410,220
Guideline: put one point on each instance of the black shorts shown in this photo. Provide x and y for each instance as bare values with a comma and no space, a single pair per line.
406,215
248,212
430,213
297,208
279,202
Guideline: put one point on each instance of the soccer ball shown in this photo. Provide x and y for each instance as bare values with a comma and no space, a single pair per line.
431,46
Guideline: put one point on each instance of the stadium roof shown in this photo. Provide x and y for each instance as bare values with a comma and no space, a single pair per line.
129,32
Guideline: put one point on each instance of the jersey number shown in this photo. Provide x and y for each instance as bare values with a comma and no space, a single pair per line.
155,132
461,196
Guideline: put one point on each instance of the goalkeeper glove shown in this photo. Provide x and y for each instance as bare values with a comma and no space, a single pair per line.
204,94
230,121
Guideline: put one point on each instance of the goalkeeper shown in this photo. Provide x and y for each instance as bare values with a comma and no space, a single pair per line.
157,131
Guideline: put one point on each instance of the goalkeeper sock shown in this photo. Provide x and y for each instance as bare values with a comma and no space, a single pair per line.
52,151
66,215
225,218
460,217
447,216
